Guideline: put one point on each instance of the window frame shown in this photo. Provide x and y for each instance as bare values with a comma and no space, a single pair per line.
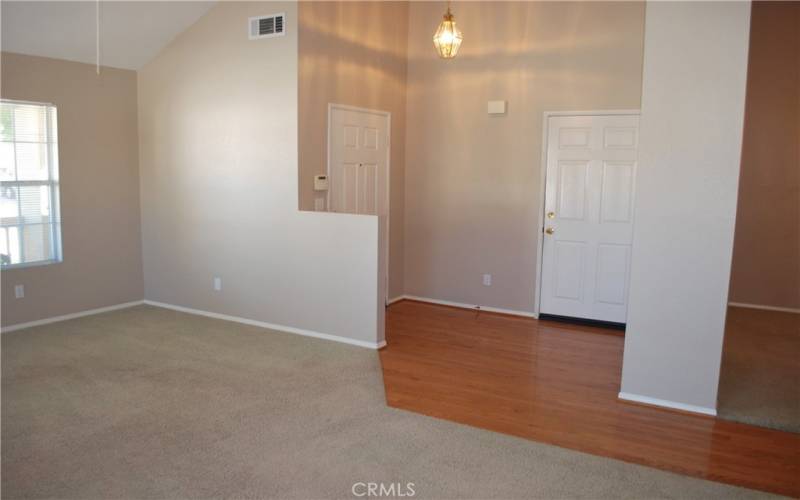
53,182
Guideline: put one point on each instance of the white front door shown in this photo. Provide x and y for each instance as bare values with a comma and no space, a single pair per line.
588,224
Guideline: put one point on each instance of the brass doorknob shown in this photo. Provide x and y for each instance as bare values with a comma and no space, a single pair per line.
550,230
551,215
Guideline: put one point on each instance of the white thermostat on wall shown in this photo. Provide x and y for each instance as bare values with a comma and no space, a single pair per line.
320,183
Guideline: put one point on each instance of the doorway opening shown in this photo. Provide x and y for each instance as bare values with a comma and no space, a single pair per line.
759,371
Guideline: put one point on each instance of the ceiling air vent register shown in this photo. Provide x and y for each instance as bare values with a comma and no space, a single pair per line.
266,26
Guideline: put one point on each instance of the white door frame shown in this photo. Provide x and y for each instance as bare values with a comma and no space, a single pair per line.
537,292
387,201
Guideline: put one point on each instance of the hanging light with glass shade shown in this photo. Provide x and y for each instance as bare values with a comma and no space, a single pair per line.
447,38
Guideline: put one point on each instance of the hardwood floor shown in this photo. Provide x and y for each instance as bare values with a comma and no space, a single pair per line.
558,383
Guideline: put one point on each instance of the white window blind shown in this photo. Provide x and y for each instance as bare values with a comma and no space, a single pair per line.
30,225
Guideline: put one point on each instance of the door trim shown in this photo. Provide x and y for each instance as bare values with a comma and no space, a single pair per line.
387,201
537,289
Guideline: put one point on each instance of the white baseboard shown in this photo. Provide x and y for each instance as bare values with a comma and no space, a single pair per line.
55,319
396,299
766,308
469,306
667,404
270,326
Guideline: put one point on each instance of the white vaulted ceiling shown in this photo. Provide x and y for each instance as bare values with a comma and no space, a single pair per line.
131,33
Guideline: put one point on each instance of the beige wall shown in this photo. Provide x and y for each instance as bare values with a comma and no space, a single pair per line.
219,181
473,180
98,163
766,251
353,53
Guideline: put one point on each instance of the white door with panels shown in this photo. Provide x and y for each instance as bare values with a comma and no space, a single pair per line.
358,168
358,164
588,224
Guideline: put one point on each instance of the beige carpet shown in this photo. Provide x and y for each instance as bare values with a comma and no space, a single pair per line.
759,381
151,403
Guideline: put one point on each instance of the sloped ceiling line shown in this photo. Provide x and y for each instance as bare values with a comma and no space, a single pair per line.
131,32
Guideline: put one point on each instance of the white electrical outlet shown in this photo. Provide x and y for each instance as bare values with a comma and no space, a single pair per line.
217,284
487,280
19,291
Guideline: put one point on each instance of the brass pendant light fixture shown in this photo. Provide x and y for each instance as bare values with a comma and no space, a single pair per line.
447,38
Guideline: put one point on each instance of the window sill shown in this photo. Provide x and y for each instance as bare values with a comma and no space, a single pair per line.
26,265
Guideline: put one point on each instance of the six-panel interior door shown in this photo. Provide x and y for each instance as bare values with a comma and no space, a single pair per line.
358,162
591,173
358,170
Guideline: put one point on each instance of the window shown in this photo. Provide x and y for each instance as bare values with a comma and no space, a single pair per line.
30,226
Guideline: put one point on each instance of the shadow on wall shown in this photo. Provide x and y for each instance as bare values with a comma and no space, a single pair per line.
351,69
348,54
